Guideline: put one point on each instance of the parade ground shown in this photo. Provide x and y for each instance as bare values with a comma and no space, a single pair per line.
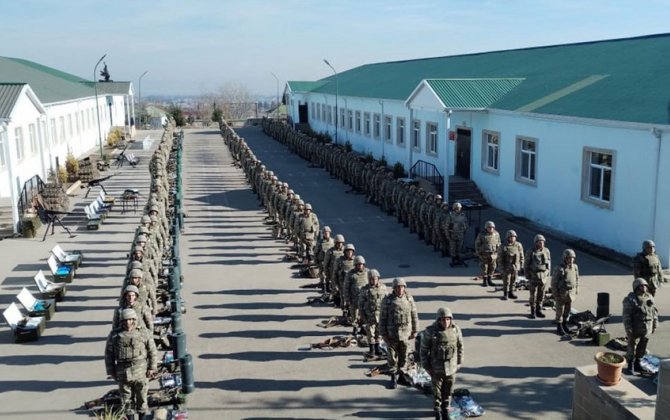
248,323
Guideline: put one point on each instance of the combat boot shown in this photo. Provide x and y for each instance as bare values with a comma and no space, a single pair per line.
511,295
438,415
378,350
504,297
372,350
639,368
559,329
630,368
394,381
532,312
484,281
566,328
489,282
538,312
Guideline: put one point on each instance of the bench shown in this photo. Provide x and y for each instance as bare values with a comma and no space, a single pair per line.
36,307
25,328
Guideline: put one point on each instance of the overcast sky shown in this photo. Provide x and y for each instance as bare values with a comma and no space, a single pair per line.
198,46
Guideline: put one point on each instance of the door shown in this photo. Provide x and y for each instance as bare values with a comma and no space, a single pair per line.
302,114
463,141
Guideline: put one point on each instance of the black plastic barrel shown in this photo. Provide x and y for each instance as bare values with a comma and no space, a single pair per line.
186,369
603,308
178,344
176,321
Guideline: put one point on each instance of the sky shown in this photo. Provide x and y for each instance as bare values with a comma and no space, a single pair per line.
198,47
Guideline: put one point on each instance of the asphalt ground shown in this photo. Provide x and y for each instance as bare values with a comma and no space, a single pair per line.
247,315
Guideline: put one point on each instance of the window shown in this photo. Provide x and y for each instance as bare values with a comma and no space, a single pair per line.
358,121
431,138
54,139
400,131
3,139
416,135
526,158
366,124
341,114
597,176
18,137
491,151
376,126
318,112
388,120
70,131
329,114
61,133
32,135
350,120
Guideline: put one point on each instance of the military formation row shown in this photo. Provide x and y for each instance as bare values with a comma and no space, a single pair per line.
142,322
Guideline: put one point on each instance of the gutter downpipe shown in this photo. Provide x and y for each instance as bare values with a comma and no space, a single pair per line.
658,134
445,192
410,140
4,122
382,134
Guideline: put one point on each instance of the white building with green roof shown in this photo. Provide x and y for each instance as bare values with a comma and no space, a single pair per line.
570,136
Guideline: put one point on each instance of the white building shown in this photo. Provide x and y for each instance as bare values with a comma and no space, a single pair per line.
570,136
46,114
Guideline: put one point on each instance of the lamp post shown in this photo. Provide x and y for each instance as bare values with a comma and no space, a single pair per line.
97,110
337,92
277,108
139,100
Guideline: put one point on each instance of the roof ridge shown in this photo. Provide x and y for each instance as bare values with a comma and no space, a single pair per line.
46,69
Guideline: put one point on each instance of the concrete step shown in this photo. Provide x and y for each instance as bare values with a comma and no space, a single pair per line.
465,189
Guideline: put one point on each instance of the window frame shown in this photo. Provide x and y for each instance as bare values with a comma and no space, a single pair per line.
18,142
350,120
358,121
486,150
376,126
388,128
533,163
400,131
432,137
367,126
416,134
587,166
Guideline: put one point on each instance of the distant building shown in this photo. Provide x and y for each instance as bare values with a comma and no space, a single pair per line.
46,113
571,136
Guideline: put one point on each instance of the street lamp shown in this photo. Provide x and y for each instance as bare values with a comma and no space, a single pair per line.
277,108
139,87
97,110
337,91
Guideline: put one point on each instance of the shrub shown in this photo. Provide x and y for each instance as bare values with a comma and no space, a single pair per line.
114,137
347,146
398,170
383,162
71,165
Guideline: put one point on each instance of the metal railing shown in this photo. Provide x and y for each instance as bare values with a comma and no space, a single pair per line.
31,188
429,172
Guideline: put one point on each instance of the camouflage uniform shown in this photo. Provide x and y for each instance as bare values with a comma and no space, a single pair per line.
369,306
537,266
510,261
456,226
354,282
330,263
487,246
640,319
564,288
323,245
343,265
647,265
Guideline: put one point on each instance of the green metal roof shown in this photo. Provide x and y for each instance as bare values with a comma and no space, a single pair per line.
621,79
9,94
305,86
50,85
471,93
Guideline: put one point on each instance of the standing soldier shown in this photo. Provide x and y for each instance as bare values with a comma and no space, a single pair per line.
441,357
354,281
323,244
564,288
130,359
487,246
308,224
398,325
537,267
370,304
646,265
332,255
640,318
510,260
456,226
343,265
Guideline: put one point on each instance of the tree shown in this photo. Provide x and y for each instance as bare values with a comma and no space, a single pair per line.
176,112
217,113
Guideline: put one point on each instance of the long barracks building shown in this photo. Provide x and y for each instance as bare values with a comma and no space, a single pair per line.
571,136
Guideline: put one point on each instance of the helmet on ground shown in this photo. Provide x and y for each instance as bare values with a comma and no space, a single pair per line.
373,273
131,288
510,233
443,313
569,253
489,224
539,237
348,247
359,259
128,314
648,243
639,282
339,238
457,206
399,281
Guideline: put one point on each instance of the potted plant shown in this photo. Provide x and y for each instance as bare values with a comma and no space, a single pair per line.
609,367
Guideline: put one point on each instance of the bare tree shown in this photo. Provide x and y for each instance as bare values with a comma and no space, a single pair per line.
236,101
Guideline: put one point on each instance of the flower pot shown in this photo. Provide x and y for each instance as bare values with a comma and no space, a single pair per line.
609,367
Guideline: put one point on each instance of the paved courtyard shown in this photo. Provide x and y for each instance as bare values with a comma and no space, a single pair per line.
247,314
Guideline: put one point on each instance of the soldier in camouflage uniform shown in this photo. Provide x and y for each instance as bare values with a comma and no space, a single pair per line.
640,319
369,306
647,265
487,246
130,300
147,291
398,325
324,243
564,288
455,227
343,265
355,280
440,239
537,267
330,263
510,261
131,359
422,215
308,224
442,357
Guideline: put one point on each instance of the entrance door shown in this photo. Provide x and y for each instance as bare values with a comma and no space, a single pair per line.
302,114
463,141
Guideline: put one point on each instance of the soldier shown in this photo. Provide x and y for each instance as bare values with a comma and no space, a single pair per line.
332,255
647,265
442,357
564,288
487,246
510,260
130,301
323,244
369,305
537,266
308,228
343,265
147,291
130,359
456,226
640,319
355,280
398,325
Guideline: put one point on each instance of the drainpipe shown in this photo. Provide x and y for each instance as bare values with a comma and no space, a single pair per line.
382,128
658,134
4,122
410,140
445,192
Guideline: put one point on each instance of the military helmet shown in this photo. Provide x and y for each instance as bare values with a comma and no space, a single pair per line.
135,272
141,238
349,247
648,243
270,173
153,218
438,197
145,219
373,273
569,253
301,203
138,249
639,282
135,264
359,259
131,288
153,208
457,206
327,229
539,237
399,281
443,312
339,238
145,230
489,224
510,233
284,184
308,206
128,314
291,192
445,206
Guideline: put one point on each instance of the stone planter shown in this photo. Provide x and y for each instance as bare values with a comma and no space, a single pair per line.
609,367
